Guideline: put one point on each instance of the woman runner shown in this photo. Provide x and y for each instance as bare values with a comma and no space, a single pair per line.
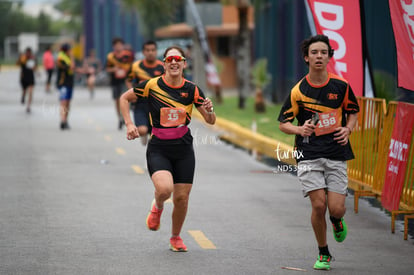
170,154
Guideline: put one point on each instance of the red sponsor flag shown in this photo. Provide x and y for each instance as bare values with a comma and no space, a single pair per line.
340,20
398,156
402,17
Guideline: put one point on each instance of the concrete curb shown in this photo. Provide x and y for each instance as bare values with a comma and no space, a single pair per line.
8,68
245,138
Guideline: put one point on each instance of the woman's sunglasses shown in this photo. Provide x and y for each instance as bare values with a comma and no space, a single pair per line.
177,58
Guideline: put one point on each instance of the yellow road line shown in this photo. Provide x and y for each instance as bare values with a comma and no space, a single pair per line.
137,169
108,138
201,239
120,151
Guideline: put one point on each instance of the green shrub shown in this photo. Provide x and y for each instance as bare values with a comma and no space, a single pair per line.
385,85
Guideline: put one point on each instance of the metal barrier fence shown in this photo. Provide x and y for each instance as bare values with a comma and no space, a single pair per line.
371,141
365,143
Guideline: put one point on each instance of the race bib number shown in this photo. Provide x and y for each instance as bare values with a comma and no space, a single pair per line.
30,64
172,117
328,122
120,73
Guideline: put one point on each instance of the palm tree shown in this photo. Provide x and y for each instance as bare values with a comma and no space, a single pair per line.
261,78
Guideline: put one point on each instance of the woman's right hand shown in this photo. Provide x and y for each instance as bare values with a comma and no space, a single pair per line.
132,132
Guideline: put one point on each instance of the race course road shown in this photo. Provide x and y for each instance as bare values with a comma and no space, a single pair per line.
75,202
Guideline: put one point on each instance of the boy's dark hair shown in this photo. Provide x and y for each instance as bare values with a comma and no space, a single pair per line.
117,40
313,39
174,47
149,42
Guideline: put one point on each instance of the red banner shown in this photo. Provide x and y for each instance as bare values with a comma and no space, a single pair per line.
402,17
340,20
398,156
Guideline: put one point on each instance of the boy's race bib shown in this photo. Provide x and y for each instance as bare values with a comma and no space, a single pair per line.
328,122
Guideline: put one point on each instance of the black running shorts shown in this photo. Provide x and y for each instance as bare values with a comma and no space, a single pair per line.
177,158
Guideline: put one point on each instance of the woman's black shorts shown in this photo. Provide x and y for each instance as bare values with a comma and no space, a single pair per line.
177,158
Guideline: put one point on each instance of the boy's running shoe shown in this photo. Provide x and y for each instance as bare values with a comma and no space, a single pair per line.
177,244
340,230
323,263
154,217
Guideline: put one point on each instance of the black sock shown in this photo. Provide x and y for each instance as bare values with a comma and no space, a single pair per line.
334,220
324,251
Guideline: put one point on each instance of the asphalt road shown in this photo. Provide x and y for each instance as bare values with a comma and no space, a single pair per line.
75,202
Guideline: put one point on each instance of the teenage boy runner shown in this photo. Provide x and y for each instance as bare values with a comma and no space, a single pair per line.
322,168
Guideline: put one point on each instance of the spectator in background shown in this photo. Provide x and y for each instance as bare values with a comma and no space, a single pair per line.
65,82
128,48
28,65
49,65
118,64
91,66
141,70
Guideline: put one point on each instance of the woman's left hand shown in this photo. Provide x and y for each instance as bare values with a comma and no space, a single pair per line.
208,105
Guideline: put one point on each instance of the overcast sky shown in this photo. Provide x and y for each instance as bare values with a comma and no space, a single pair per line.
38,1
33,7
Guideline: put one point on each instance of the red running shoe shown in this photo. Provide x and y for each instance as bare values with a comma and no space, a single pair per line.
177,245
154,217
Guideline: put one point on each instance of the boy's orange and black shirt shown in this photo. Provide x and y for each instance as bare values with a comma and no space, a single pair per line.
332,100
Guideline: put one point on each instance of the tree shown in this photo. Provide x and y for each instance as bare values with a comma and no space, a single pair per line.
72,8
43,24
261,78
14,21
154,14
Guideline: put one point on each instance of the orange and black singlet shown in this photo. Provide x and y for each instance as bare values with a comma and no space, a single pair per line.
27,65
332,100
170,107
123,65
141,70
